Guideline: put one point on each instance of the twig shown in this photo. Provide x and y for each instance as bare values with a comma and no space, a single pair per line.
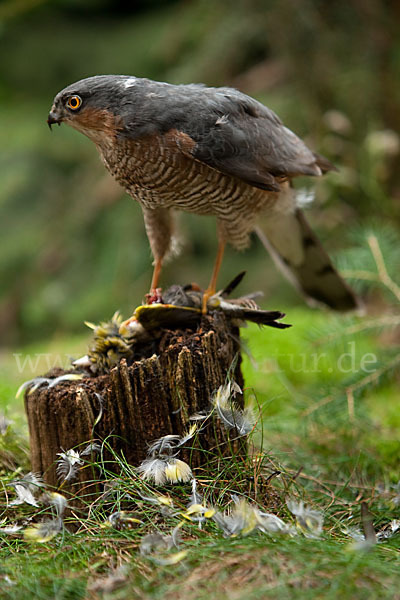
380,265
365,275
350,404
317,405
382,276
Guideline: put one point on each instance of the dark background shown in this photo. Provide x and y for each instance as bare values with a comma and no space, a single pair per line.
73,245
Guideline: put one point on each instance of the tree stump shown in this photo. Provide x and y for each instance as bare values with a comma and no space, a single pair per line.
140,402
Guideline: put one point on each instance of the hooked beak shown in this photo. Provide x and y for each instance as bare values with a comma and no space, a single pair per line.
53,118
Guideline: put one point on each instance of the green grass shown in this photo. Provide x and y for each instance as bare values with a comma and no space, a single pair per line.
245,568
332,450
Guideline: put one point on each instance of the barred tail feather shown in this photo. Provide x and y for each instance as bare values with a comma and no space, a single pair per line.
298,252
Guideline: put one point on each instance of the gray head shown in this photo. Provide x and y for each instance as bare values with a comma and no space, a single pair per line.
126,105
96,104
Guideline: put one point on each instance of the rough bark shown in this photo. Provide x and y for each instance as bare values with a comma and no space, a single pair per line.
140,402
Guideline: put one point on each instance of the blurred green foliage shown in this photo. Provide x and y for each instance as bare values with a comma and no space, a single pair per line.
72,244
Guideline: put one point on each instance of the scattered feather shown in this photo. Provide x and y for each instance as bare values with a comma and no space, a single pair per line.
158,499
25,488
68,465
122,520
25,496
11,529
308,520
168,444
101,409
4,424
231,415
201,415
362,543
197,510
199,513
33,480
177,470
188,435
242,421
165,445
165,470
157,545
155,542
389,531
170,559
92,448
66,377
354,533
58,501
153,469
241,520
32,383
245,518
43,532
195,497
269,523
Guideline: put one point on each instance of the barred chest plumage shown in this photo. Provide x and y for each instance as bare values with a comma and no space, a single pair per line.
156,173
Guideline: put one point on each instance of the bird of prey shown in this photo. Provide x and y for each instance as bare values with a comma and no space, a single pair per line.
209,151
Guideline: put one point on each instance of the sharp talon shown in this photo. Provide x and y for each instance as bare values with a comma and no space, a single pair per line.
206,296
154,296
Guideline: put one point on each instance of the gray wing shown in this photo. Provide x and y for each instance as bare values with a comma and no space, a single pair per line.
239,136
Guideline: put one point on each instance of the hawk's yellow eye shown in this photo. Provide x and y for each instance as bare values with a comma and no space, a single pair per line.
74,102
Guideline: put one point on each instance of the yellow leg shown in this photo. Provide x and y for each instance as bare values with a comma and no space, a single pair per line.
212,286
155,293
156,275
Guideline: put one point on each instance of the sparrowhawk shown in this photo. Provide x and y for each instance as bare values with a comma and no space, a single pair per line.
209,151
